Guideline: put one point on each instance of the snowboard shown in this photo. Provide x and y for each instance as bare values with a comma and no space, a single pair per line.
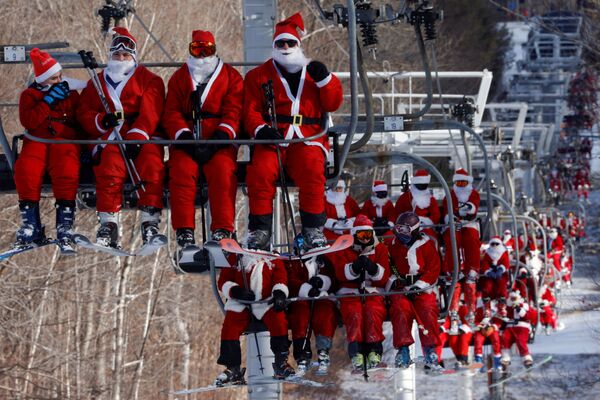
521,372
154,243
83,241
24,248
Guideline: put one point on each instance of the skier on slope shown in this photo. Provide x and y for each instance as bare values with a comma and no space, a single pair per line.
253,279
380,209
304,91
136,98
47,110
207,81
340,209
416,265
362,268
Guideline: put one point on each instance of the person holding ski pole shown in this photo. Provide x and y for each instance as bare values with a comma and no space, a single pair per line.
303,92
204,101
135,98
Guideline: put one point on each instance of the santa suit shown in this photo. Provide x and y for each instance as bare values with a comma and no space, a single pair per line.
340,214
509,243
140,95
61,160
304,162
422,203
554,184
221,109
494,288
573,226
363,317
566,264
556,249
460,343
483,323
547,303
420,265
375,208
582,183
517,330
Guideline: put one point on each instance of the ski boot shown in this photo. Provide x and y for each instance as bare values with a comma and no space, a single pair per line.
358,363
150,218
497,363
220,234
461,362
432,364
302,366
528,361
403,357
108,233
505,359
185,237
281,368
313,237
454,323
479,359
231,376
65,216
258,240
373,360
31,230
324,361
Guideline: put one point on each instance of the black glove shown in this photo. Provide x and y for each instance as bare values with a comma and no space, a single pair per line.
189,148
267,133
317,70
57,92
370,266
398,284
314,292
132,150
316,282
109,120
239,293
358,266
279,300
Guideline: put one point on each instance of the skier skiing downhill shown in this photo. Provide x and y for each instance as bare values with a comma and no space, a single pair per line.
465,203
517,329
380,209
312,278
494,269
253,279
416,265
218,88
420,201
47,110
304,91
136,97
362,268
340,209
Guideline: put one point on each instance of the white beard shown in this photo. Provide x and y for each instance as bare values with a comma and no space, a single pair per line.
377,202
506,238
421,198
336,198
292,59
202,68
495,252
118,70
463,193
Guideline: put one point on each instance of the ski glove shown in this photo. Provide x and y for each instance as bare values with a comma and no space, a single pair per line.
279,300
239,293
205,152
189,148
317,71
314,292
363,263
316,282
109,120
132,150
58,91
267,133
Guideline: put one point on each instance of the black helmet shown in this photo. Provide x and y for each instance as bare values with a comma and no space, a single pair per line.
407,227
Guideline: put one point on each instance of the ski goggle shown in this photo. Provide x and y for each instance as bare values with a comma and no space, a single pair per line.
461,183
381,195
122,43
280,44
364,236
201,49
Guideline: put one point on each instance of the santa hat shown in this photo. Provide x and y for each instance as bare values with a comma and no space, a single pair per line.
291,28
203,36
462,175
44,66
361,223
507,232
379,186
421,177
119,32
496,239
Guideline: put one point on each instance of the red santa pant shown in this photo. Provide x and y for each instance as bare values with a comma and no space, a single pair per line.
323,318
518,335
470,292
220,174
493,288
480,340
363,322
403,311
442,339
111,175
236,323
460,343
556,260
467,239
60,160
547,317
304,164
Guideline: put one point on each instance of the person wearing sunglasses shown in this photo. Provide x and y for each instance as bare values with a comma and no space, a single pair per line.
416,266
304,92
419,200
495,265
465,204
203,81
341,210
136,99
362,268
380,209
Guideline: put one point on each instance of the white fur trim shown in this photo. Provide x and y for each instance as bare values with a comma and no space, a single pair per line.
411,255
421,284
379,275
360,228
232,305
326,282
285,35
390,282
425,220
304,289
420,179
227,288
228,127
258,129
98,125
465,328
136,130
380,188
348,273
179,132
324,81
283,287
49,72
458,177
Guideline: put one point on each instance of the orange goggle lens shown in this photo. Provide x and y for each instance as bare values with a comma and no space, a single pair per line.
461,183
202,49
364,235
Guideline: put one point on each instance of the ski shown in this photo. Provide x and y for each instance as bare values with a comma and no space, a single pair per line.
83,241
232,246
217,254
208,388
196,260
293,379
23,248
341,243
522,372
152,245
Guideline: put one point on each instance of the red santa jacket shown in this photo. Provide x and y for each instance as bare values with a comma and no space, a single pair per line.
348,281
485,317
428,212
299,274
573,226
519,315
471,205
547,297
490,257
557,245
581,180
141,96
263,277
42,121
313,99
387,211
340,212
421,259
555,184
221,102
510,244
